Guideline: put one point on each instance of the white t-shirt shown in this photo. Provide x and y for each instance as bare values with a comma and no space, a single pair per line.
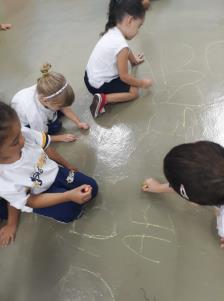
220,222
30,110
102,64
33,173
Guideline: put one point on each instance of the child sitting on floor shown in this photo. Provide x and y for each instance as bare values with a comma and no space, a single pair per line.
32,181
107,76
41,106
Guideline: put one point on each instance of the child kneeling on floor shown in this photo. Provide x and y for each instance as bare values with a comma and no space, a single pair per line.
32,181
196,172
107,76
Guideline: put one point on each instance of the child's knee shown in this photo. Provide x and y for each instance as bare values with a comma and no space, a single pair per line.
95,188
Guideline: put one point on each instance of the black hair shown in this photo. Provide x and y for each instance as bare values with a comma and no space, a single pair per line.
199,167
7,115
119,8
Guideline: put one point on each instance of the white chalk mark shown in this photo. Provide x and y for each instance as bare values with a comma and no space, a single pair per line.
88,252
150,66
96,236
185,104
141,245
74,271
192,55
147,225
178,72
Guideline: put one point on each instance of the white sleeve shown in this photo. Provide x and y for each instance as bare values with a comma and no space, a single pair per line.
220,222
121,45
17,199
41,139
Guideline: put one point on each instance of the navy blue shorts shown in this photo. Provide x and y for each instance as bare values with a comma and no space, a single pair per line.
64,212
55,126
115,86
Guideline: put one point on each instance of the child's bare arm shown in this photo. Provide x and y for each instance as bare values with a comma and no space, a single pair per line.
122,64
55,156
63,138
152,185
8,232
135,59
74,118
80,195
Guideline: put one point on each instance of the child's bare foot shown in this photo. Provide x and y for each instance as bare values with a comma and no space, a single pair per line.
5,26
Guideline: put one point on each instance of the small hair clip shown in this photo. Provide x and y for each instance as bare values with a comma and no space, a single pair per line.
58,92
183,192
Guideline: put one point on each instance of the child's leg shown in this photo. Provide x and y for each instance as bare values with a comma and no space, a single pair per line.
54,127
112,92
64,212
67,180
122,97
3,209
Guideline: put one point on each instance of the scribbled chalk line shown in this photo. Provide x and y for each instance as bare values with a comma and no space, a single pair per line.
73,270
113,234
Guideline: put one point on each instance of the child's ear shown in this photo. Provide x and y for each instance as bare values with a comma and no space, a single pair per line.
42,99
129,19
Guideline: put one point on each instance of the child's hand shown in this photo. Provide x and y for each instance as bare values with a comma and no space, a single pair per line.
222,242
66,138
7,235
138,59
83,125
81,194
5,26
146,83
151,185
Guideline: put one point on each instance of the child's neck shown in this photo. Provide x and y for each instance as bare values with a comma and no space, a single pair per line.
121,28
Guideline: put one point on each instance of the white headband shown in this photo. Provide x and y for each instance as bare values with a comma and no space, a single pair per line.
58,92
183,192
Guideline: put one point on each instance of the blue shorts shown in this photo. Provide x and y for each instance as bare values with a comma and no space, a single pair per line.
55,126
64,212
114,86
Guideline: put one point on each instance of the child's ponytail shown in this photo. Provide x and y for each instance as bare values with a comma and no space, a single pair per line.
112,20
119,8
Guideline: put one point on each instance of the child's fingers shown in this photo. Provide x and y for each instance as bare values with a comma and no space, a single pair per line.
145,188
70,138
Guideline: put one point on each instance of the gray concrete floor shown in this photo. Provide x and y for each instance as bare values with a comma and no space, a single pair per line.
129,246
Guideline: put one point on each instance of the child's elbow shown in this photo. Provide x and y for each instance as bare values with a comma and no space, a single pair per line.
124,78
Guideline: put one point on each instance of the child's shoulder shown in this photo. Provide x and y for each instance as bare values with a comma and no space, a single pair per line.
25,93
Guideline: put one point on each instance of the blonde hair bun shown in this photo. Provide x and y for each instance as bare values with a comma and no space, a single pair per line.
45,69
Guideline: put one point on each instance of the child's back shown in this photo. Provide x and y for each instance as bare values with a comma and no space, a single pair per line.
102,64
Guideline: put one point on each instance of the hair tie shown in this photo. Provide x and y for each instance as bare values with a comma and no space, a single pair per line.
58,92
183,192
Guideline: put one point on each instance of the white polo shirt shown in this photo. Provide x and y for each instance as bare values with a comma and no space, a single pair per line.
33,173
30,110
102,64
